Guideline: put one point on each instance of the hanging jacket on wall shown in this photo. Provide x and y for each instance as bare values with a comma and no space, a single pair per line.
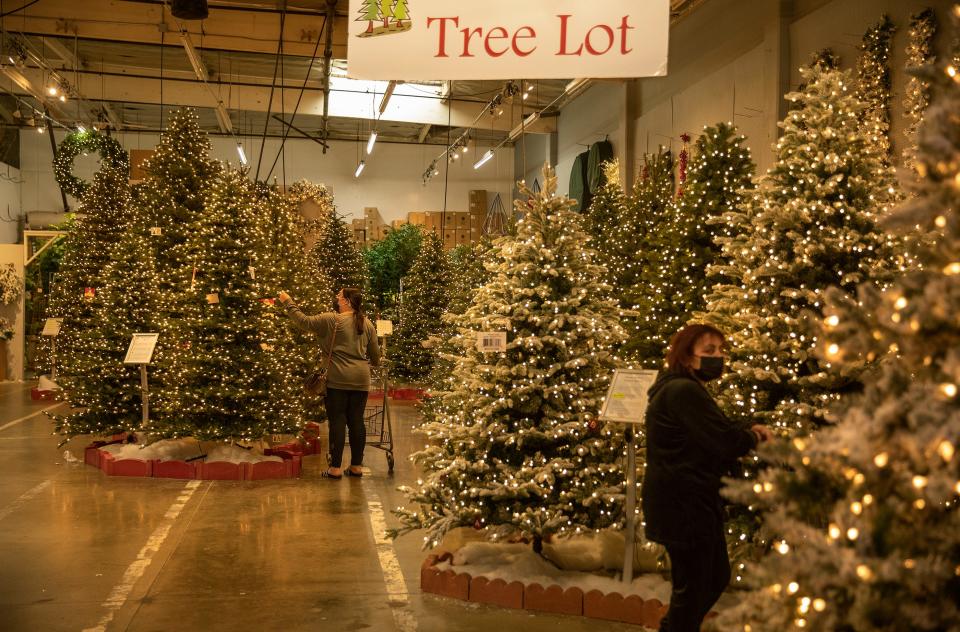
600,152
579,184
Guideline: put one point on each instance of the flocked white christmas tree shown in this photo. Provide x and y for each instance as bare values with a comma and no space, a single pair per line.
866,516
524,453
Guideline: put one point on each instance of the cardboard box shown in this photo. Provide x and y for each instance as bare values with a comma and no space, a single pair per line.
477,202
372,212
449,220
433,220
463,236
449,239
360,236
397,223
358,224
463,221
417,218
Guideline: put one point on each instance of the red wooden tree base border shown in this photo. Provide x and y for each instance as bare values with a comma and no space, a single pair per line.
553,599
290,467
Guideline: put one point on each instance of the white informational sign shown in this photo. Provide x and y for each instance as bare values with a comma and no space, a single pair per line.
384,328
213,298
626,400
491,341
507,39
141,348
51,327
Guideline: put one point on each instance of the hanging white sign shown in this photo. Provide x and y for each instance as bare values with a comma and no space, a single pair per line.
491,341
626,400
384,328
506,39
141,349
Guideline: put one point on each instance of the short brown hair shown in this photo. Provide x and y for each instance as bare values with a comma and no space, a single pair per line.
680,353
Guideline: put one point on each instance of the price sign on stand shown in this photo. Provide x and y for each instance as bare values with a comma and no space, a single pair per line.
626,403
51,327
384,328
140,352
141,348
626,400
491,341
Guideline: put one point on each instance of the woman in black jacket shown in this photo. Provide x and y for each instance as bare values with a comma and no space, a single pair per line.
690,446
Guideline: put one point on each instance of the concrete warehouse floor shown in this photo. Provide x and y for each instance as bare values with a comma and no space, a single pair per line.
82,551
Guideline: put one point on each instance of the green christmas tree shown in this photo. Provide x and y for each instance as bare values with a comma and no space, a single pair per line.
102,306
525,453
336,255
171,200
676,284
224,377
920,52
609,208
874,84
644,236
426,296
100,221
282,263
865,515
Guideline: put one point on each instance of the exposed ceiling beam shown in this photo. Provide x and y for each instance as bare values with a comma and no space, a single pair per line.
405,105
230,30
63,52
423,133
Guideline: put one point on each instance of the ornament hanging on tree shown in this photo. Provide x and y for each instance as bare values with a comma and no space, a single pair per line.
684,159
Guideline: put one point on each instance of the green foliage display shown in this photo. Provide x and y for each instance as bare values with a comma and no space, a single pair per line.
388,261
112,156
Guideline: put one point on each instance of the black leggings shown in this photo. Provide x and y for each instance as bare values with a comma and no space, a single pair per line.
700,572
345,411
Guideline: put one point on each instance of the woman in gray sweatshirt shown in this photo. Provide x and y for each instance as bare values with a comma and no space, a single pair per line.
355,349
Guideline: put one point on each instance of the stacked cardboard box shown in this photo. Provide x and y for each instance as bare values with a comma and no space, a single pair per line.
417,218
397,223
478,205
359,231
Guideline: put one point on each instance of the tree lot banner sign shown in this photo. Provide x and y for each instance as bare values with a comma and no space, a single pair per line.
501,39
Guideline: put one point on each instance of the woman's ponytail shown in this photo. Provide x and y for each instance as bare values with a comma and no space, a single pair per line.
355,297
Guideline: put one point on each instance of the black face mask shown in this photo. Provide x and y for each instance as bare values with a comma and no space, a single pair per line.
711,367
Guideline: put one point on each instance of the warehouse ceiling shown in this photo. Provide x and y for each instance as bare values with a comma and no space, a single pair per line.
127,64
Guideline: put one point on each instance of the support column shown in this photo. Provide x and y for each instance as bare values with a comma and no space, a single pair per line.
776,77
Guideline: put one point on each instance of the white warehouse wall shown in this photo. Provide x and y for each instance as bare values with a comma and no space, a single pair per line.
392,180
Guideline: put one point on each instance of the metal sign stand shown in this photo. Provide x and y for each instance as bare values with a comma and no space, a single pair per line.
630,534
145,395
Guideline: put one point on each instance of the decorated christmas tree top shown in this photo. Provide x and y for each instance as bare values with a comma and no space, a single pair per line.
810,225
525,452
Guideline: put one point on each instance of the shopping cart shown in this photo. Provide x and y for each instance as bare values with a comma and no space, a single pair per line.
376,416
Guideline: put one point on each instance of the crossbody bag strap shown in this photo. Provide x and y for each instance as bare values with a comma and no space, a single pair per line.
333,339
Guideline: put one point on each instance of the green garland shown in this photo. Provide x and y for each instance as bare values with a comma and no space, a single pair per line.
110,151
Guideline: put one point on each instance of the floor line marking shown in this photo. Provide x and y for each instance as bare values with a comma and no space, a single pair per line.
397,595
23,498
118,596
26,417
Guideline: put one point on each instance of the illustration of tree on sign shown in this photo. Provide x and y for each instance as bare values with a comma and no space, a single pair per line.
369,12
395,15
401,12
386,11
